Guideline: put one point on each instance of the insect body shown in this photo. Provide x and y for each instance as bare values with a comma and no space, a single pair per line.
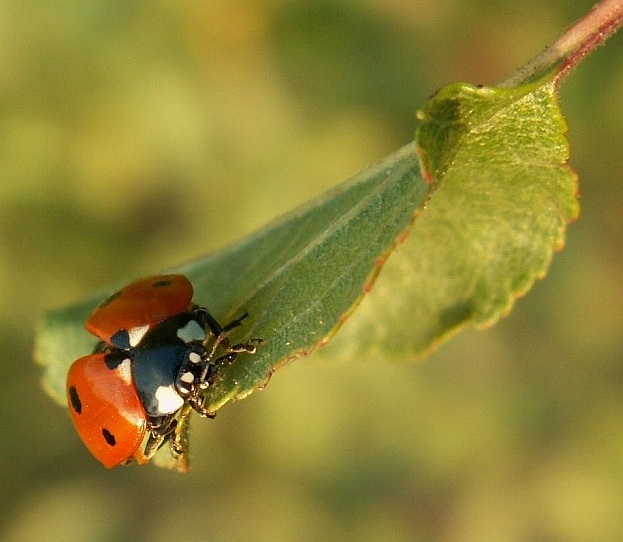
156,356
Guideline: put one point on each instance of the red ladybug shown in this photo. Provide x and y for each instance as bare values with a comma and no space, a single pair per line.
156,355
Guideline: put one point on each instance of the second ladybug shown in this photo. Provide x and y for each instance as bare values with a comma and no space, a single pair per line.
158,353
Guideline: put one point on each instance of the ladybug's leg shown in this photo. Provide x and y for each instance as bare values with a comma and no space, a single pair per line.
197,401
172,428
161,429
154,443
198,405
236,323
179,439
221,332
222,340
188,384
197,372
200,365
212,367
250,347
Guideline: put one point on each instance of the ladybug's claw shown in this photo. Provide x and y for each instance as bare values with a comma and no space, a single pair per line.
235,323
199,407
250,347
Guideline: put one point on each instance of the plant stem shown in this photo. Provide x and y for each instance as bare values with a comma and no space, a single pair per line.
578,41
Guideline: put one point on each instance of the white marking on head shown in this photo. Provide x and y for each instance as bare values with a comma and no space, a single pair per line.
187,378
195,358
168,400
192,331
136,334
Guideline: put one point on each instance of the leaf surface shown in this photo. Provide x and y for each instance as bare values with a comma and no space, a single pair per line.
505,197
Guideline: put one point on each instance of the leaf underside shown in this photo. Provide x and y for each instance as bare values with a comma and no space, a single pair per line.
505,195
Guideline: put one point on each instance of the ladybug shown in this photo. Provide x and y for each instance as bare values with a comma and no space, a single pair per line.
156,356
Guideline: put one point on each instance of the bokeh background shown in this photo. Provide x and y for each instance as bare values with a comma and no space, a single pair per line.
139,135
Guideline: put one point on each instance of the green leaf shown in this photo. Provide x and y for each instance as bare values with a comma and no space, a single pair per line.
505,196
297,278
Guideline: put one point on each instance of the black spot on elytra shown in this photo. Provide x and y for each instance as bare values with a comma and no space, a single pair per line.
109,437
110,299
161,283
74,399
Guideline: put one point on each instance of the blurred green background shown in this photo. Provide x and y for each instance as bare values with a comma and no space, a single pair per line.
139,135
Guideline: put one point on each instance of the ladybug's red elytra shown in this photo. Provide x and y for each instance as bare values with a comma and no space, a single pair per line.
156,356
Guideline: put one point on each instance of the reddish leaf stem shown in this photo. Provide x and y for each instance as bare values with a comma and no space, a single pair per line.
578,41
